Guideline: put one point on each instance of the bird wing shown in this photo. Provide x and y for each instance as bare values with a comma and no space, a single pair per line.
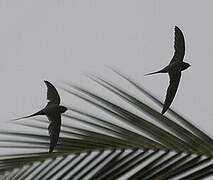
54,129
52,94
179,46
172,89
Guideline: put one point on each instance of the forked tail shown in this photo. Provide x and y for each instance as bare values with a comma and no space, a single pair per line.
156,72
32,115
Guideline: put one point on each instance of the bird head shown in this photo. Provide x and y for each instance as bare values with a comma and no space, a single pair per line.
63,109
186,65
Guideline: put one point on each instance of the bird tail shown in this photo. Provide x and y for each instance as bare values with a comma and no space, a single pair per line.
32,115
156,72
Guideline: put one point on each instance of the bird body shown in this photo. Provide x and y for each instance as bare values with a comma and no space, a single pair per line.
174,69
52,108
53,112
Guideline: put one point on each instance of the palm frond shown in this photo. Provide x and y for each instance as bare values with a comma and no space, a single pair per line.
133,141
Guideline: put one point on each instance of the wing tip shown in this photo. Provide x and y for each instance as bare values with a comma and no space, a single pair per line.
177,28
164,110
46,82
51,150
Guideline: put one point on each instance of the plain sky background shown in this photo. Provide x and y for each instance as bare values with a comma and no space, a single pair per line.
58,40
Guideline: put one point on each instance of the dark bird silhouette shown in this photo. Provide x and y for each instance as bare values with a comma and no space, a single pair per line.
174,69
53,112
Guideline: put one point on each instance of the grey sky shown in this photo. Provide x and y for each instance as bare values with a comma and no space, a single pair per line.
58,40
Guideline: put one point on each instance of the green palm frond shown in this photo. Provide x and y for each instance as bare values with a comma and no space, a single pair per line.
126,138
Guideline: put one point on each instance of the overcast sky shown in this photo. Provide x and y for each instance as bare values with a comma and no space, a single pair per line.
58,40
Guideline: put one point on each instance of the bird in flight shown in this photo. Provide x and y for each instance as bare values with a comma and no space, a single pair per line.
53,111
174,69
